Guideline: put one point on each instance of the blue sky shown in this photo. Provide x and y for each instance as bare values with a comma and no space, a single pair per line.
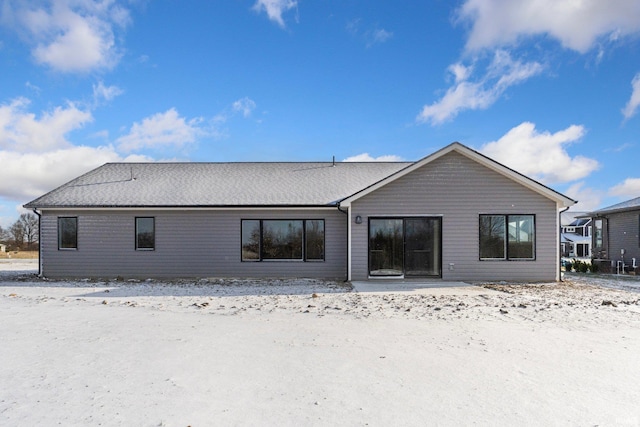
550,88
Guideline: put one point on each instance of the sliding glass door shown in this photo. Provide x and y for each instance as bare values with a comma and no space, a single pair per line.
405,247
422,247
385,247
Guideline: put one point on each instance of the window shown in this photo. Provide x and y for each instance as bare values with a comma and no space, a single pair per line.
281,239
251,240
301,240
598,233
314,240
145,234
582,249
492,233
68,233
507,237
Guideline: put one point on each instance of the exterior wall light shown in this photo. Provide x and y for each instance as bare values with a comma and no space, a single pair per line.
358,219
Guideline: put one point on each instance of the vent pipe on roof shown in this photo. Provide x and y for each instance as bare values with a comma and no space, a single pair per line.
334,161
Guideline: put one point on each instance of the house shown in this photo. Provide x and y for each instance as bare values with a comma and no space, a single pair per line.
575,235
453,215
3,248
616,236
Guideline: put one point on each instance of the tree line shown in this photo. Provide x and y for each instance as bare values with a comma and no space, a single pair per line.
22,235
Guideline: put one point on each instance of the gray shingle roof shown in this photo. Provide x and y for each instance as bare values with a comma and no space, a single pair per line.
623,206
217,184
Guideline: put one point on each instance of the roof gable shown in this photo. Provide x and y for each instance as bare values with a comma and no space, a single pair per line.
547,192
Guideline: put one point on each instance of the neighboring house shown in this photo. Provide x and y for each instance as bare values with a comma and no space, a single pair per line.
454,215
3,248
576,235
616,235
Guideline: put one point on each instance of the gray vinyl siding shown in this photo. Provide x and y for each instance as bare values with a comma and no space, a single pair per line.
459,190
188,243
622,233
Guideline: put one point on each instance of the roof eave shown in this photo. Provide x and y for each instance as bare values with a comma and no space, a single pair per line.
219,206
612,211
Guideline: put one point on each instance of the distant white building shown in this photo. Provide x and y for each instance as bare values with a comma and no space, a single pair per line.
576,235
3,248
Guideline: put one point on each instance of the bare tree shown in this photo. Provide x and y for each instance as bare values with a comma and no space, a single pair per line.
30,226
23,233
16,234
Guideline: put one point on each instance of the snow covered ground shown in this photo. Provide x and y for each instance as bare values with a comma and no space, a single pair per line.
306,352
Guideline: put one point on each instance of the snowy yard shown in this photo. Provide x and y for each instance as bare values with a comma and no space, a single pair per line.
309,352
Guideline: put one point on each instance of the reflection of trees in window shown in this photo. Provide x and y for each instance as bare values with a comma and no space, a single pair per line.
68,233
517,230
314,235
282,240
386,246
145,233
492,236
251,240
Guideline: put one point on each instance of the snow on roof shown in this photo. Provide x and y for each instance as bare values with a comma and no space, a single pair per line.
217,184
623,206
567,218
292,184
575,238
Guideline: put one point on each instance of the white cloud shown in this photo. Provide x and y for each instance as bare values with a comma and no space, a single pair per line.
244,106
577,25
365,157
632,106
378,35
502,73
620,148
381,35
22,131
42,172
460,71
275,9
629,188
33,87
353,26
161,129
71,36
100,92
541,155
589,199
35,154
371,36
